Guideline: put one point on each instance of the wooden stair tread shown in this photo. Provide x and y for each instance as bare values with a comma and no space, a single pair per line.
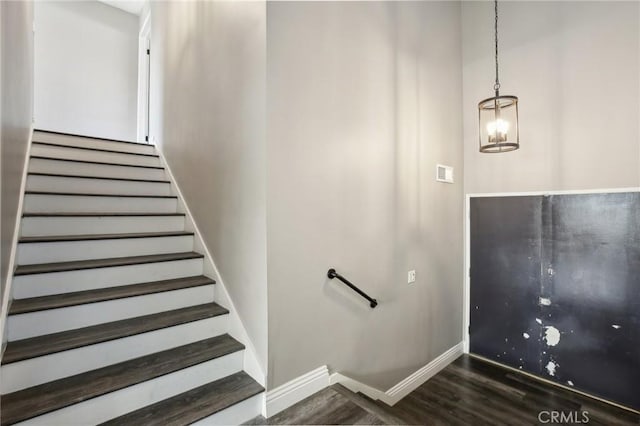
195,404
94,194
43,268
88,148
91,137
90,237
34,304
20,350
37,400
63,175
98,214
107,163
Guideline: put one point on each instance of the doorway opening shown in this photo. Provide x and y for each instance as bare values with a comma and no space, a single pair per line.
144,73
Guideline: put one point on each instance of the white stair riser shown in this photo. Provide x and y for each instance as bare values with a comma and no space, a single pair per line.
92,143
66,251
35,371
236,414
43,203
40,165
89,155
34,324
41,226
105,407
102,186
36,285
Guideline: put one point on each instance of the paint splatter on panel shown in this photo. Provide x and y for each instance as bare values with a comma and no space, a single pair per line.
552,335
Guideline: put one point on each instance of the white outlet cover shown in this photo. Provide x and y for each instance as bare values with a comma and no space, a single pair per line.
411,277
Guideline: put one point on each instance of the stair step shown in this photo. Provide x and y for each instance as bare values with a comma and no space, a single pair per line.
97,214
62,175
89,237
34,304
97,168
57,342
89,194
44,268
41,399
195,404
88,148
144,166
74,135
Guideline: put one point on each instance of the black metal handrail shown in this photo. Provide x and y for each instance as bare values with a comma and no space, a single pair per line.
333,274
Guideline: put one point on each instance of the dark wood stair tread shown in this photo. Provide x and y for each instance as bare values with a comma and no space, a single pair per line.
44,268
98,214
107,163
62,175
37,400
90,237
34,304
195,404
20,350
88,148
93,194
91,137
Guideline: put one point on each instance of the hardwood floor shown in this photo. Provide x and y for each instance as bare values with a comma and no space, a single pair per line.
327,407
467,392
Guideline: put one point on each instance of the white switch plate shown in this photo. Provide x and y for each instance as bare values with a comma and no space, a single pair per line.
411,277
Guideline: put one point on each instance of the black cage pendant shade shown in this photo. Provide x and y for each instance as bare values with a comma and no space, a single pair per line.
498,115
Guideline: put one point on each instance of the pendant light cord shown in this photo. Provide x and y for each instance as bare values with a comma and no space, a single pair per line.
496,86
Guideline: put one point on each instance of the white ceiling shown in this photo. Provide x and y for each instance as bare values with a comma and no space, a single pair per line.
131,6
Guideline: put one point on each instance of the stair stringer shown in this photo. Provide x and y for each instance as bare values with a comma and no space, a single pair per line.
236,327
6,296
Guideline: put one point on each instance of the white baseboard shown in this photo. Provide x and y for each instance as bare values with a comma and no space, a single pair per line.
6,297
314,381
237,330
296,390
405,386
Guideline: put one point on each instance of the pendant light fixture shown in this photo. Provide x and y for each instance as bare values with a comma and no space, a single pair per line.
498,116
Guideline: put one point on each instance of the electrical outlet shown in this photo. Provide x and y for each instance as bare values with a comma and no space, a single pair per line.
411,277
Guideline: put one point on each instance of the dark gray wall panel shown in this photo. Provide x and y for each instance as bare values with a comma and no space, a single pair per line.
595,298
585,295
505,280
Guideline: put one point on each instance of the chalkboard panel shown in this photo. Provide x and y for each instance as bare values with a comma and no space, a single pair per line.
505,259
595,298
570,264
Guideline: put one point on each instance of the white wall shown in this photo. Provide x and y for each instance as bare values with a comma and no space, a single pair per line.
575,67
86,69
16,86
208,118
363,100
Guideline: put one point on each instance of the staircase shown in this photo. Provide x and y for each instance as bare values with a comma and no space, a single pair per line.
113,320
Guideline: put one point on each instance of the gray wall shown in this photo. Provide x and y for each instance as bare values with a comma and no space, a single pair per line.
208,118
363,99
17,111
576,68
86,69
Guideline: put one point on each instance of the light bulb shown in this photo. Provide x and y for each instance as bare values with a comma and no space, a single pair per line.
497,130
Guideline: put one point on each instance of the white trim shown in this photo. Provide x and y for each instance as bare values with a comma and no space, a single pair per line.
143,79
14,244
467,277
405,386
296,390
236,328
466,322
557,192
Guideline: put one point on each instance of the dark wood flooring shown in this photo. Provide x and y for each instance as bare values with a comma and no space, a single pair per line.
469,391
